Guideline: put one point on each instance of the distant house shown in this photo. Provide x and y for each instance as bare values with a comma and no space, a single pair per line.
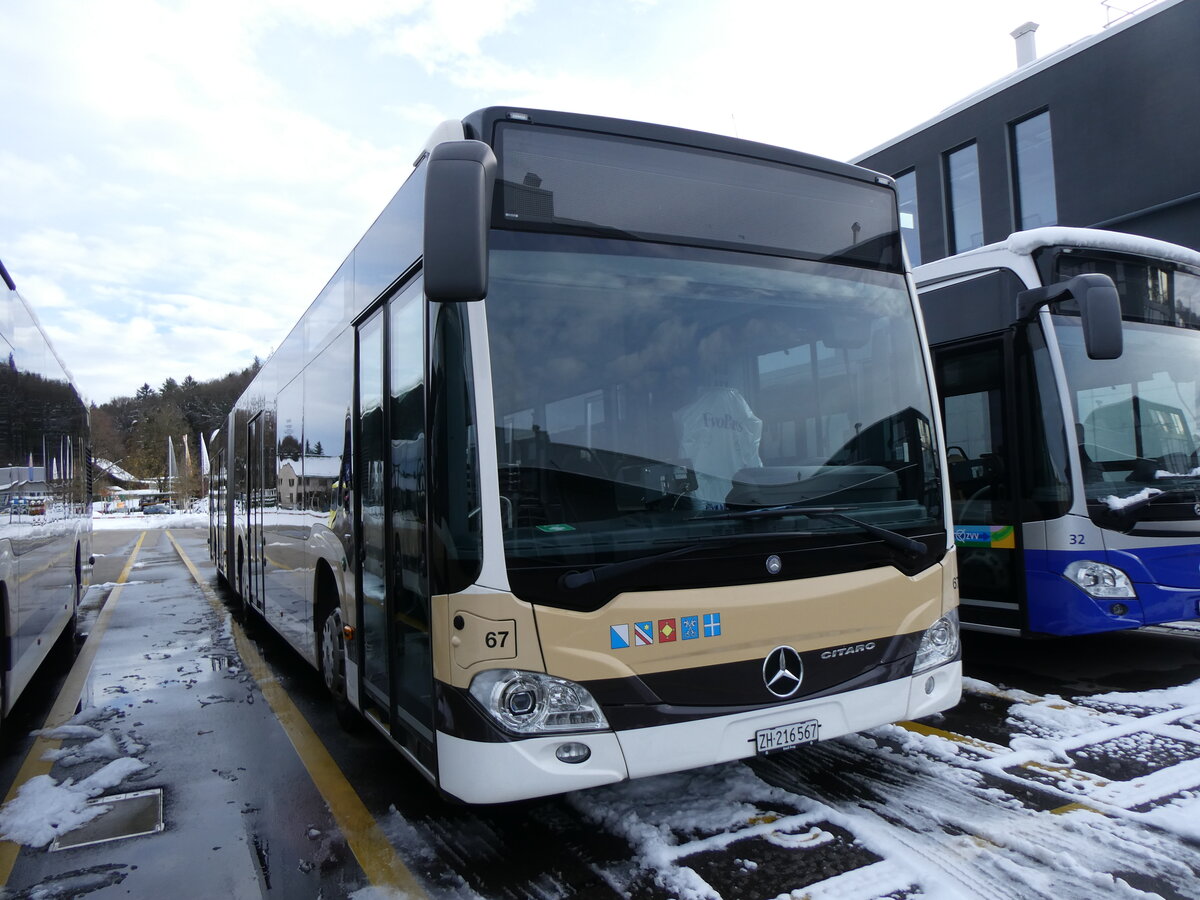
1102,133
22,486
126,492
308,483
115,473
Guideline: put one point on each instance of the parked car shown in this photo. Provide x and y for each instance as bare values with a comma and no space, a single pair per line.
156,509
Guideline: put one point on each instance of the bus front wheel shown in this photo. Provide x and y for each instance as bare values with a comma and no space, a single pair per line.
333,669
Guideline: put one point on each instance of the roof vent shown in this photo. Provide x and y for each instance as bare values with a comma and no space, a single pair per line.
1026,46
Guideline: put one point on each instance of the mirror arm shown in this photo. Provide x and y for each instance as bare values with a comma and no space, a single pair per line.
1099,310
1029,302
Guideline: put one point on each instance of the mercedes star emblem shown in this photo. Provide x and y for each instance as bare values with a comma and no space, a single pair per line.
783,671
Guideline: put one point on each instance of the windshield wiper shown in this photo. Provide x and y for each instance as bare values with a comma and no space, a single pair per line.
1127,516
577,579
609,571
893,539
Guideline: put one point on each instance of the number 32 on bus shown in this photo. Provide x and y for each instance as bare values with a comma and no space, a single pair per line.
610,450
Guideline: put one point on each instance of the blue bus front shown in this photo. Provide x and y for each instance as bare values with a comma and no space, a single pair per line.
1075,482
1129,552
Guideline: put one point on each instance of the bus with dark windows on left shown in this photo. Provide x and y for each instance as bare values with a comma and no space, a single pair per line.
611,450
45,499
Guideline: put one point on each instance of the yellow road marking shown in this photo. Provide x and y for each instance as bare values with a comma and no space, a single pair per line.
975,743
367,841
1074,807
1060,772
64,708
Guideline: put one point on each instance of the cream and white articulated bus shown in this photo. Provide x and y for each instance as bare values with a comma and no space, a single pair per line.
611,450
1068,363
45,499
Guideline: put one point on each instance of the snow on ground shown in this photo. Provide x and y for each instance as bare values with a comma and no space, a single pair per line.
44,808
1085,797
939,817
126,521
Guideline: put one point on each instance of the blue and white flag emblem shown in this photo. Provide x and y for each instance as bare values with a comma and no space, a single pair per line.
712,624
689,628
618,636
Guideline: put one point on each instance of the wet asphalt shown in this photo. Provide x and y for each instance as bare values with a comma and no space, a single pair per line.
242,817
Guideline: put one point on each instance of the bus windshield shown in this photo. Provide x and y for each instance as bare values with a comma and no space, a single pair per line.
641,390
1136,417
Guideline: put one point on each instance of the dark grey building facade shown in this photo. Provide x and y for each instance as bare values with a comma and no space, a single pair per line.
1103,133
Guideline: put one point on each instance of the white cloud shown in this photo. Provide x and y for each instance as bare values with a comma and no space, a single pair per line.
446,31
181,178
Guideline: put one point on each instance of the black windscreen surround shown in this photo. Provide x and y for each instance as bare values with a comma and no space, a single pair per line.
1159,293
567,180
977,305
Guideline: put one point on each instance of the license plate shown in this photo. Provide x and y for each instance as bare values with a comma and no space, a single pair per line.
784,737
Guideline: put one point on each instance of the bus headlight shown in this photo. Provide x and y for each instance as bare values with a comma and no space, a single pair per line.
533,703
939,643
1100,580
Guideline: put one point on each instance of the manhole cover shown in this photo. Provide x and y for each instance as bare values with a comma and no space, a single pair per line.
131,815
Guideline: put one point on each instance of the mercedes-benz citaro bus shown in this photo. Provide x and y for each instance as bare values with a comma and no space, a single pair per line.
45,499
610,450
1070,411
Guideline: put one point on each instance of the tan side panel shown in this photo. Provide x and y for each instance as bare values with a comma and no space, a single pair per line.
498,631
807,614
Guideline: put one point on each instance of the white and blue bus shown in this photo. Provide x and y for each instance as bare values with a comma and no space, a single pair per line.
45,498
610,450
1074,473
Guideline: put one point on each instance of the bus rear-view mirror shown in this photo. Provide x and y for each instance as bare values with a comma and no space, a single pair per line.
458,206
1099,310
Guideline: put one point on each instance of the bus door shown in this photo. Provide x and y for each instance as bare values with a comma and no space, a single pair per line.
256,488
220,526
394,585
372,515
976,395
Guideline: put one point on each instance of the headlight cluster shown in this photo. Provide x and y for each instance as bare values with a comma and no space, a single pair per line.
1100,580
939,643
533,703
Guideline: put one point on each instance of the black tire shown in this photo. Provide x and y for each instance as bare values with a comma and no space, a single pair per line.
243,613
332,655
66,647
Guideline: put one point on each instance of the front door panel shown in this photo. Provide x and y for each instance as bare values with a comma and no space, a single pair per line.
972,384
372,511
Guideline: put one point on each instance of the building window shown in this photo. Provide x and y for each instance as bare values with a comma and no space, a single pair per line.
962,191
906,191
1033,172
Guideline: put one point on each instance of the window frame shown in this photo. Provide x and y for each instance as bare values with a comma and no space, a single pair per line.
948,184
1014,163
914,259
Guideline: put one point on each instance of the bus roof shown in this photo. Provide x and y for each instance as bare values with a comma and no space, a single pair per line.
479,126
1025,243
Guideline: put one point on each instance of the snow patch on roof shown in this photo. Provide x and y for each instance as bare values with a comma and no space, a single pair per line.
1025,242
113,470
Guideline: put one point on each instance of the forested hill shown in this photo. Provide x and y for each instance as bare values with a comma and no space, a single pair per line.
133,431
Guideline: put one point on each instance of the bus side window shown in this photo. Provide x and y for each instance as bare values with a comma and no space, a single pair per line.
971,384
